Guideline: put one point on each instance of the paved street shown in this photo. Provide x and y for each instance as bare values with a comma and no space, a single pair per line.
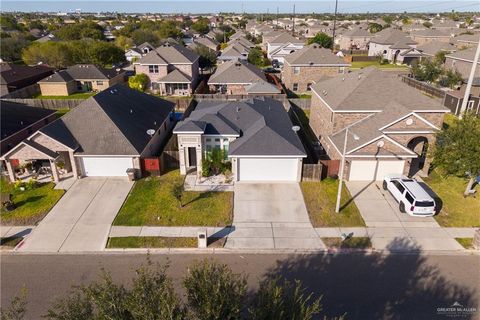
271,216
81,220
362,286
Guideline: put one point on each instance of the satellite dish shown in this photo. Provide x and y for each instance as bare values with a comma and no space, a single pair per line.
150,132
296,128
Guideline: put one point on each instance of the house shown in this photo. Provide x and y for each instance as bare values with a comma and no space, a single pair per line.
240,77
390,124
282,45
14,77
466,40
389,43
18,121
356,39
80,78
308,65
454,99
315,28
462,61
171,69
103,136
430,35
237,49
211,44
136,52
256,136
430,49
145,48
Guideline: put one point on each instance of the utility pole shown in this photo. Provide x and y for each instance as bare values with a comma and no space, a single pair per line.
469,83
334,25
277,19
293,27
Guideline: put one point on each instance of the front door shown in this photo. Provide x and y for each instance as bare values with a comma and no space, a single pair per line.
192,157
87,85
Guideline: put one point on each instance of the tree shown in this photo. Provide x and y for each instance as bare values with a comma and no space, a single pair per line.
280,299
440,56
13,45
123,42
427,70
427,24
138,82
208,58
374,27
451,78
74,306
255,57
201,26
140,36
177,192
387,19
214,292
322,39
457,149
104,53
55,54
18,307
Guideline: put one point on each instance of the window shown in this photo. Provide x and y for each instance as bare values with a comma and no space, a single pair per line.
295,86
409,197
217,139
470,104
296,70
309,86
99,83
208,140
399,186
153,69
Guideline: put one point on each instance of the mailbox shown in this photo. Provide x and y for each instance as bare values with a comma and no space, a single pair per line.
202,239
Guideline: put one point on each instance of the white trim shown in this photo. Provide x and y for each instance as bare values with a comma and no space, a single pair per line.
406,116
334,145
407,132
106,155
46,135
188,132
398,144
320,65
378,138
328,106
381,156
358,111
23,142
264,156
424,111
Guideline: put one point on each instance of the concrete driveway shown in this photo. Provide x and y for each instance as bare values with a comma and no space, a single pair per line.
271,216
386,223
81,220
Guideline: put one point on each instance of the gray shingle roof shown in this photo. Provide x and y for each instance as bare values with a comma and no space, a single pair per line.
357,32
83,71
113,122
240,72
169,54
391,36
431,48
264,126
467,54
429,33
261,87
176,76
59,76
372,89
42,149
285,38
315,55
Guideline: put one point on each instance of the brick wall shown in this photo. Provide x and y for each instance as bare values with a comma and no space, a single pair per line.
58,89
307,75
48,143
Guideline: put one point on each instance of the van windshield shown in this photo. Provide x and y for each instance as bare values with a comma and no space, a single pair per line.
424,204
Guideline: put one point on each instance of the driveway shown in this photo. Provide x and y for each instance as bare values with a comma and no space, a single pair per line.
81,220
386,223
271,216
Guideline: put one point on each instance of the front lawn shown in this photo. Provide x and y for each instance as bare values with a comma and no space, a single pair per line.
350,243
364,64
467,243
32,205
79,95
456,211
320,198
152,242
61,112
152,203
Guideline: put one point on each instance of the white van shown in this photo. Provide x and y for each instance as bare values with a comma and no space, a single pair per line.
412,198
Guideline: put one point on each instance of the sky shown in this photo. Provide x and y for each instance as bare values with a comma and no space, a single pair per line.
249,6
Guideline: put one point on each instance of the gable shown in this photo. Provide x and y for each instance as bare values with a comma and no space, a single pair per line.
48,142
412,122
389,147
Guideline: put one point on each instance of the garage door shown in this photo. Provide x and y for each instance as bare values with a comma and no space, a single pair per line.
106,167
257,169
374,170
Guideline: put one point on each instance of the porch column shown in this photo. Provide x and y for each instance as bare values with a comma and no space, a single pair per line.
199,160
10,170
181,160
73,164
53,165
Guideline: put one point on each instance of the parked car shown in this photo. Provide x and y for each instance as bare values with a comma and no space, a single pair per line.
271,70
275,63
412,198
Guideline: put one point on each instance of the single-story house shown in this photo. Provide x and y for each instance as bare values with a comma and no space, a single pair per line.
240,77
14,77
390,124
80,78
462,61
105,135
18,121
390,43
256,135
454,99
430,35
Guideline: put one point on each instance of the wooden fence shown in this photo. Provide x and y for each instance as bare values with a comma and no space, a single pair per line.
312,172
424,87
303,104
235,97
54,104
23,93
330,168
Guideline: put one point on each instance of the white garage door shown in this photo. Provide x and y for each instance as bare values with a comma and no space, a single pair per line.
268,169
374,170
106,167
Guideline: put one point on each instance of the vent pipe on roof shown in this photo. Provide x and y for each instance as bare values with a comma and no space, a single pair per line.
131,111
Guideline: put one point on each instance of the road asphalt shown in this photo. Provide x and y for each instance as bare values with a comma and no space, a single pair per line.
360,285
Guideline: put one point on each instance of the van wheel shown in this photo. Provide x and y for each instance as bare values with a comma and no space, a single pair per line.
402,207
384,185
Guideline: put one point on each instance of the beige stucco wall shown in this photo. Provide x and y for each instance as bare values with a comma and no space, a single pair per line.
58,89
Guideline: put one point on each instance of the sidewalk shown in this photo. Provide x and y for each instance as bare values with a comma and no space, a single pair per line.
15,231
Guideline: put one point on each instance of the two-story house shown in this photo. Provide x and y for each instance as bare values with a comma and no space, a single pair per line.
171,68
282,45
356,38
308,65
380,124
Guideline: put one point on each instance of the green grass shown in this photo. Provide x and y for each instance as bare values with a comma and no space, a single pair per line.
79,95
449,120
151,203
320,198
152,242
32,205
304,118
10,242
467,243
457,211
61,112
364,64
351,243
